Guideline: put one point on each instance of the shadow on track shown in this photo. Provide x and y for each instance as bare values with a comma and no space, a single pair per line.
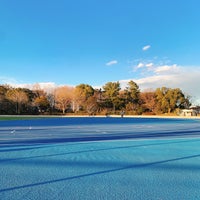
119,168
103,137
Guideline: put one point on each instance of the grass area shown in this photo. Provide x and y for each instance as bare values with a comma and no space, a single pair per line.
11,117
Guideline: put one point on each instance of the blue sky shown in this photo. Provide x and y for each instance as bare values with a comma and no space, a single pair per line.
155,43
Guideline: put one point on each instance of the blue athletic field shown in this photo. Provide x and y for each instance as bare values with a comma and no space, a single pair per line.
97,158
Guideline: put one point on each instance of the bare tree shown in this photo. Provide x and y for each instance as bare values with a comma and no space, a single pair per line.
92,105
51,100
63,97
81,94
148,99
17,96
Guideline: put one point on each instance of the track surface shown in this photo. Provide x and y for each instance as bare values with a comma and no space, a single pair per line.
100,158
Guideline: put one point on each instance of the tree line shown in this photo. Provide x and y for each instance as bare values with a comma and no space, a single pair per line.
84,99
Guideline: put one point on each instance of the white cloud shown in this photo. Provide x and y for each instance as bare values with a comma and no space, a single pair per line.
149,65
145,48
46,86
166,69
140,65
145,66
112,62
7,80
185,78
